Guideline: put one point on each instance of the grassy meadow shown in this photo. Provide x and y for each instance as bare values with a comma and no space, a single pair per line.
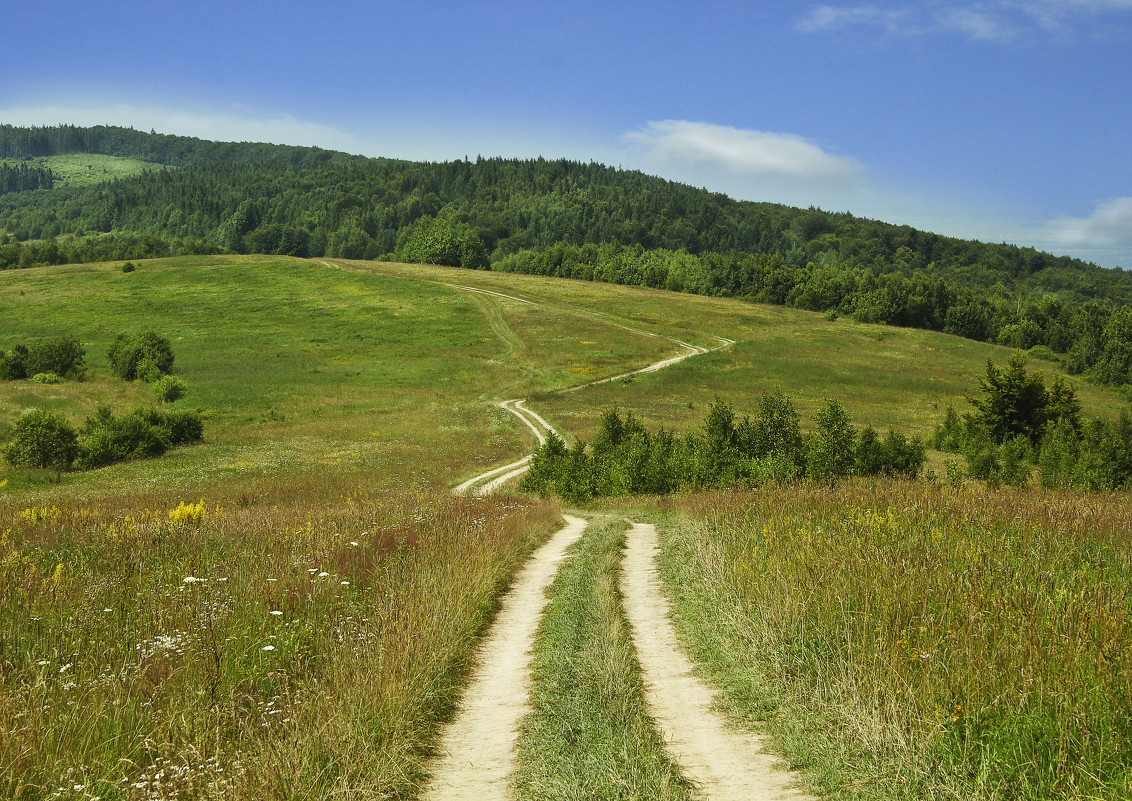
885,376
903,640
87,169
288,609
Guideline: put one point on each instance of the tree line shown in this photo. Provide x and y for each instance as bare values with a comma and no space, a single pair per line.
1018,424
24,177
625,458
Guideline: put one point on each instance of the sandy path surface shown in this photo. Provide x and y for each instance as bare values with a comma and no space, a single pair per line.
478,748
488,482
725,763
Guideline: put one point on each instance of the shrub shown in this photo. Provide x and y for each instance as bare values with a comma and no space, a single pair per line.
42,439
1044,353
129,267
184,426
13,366
115,439
168,389
831,451
47,378
144,354
63,355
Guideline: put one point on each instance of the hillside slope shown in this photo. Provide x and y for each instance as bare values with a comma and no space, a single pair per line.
559,218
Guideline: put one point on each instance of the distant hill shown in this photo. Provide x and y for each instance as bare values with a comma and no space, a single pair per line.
563,218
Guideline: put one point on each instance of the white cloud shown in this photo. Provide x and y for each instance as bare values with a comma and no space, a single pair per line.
774,155
976,23
1110,225
984,21
832,18
239,125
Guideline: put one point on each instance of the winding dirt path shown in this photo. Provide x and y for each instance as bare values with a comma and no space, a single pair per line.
725,763
478,746
491,480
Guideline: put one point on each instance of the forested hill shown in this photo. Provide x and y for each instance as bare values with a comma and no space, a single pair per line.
180,151
562,218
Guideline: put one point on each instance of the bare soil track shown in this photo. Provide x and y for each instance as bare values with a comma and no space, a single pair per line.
723,762
478,747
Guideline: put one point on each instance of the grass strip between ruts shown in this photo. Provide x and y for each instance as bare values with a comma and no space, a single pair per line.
589,734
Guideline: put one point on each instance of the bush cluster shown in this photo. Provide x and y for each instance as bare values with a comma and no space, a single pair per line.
144,355
62,356
142,433
43,439
627,459
1019,423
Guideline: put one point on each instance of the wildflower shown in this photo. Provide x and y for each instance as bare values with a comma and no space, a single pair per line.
344,583
65,667
323,574
353,543
268,648
190,580
275,612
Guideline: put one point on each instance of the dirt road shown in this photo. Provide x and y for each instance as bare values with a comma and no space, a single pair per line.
478,747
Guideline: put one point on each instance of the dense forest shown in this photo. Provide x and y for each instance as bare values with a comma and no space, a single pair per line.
560,218
21,177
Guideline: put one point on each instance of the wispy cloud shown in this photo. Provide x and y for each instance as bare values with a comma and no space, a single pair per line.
984,21
237,125
757,153
1110,225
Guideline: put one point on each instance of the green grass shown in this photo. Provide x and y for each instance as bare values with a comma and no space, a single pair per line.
899,641
589,734
301,367
85,169
885,376
343,401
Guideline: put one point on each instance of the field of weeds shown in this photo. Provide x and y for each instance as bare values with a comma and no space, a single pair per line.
159,648
902,640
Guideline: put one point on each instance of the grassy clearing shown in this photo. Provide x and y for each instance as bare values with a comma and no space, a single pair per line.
85,169
899,640
589,735
309,649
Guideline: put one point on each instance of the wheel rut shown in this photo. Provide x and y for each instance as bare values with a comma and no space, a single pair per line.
723,762
478,748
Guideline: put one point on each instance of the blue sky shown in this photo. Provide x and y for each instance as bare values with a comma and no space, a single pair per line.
1003,120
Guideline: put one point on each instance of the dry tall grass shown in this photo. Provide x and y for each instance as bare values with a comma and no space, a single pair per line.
908,640
158,647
